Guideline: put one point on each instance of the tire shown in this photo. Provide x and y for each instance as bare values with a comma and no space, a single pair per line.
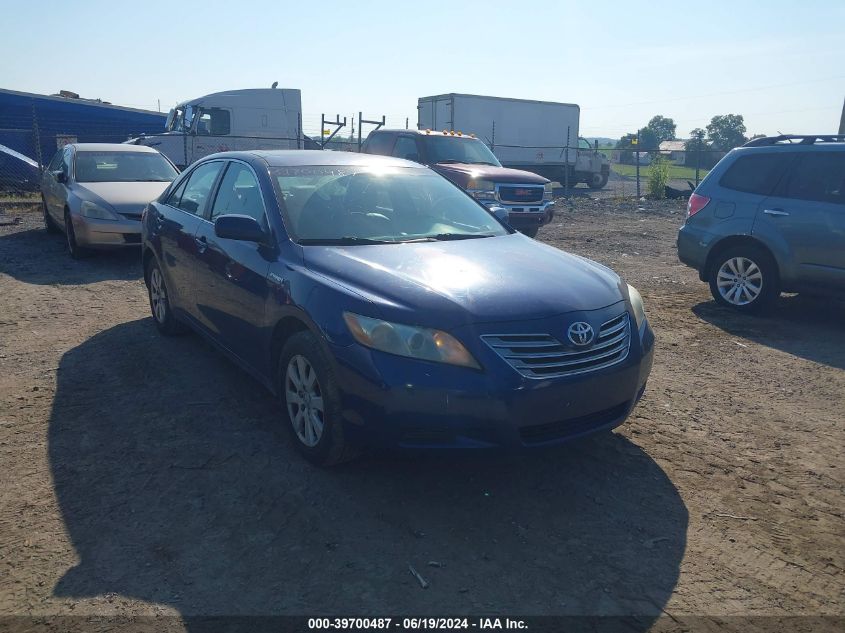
312,410
598,181
744,278
163,316
73,248
48,221
530,231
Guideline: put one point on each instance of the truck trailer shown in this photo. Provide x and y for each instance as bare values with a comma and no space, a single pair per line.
537,136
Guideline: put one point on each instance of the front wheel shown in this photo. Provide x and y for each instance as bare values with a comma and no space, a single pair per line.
309,394
160,302
73,248
530,231
49,224
744,278
597,181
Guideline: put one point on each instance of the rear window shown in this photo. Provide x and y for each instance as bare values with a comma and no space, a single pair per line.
756,173
379,144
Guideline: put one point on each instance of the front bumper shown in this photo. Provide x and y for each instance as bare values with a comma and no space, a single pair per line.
92,233
526,215
390,401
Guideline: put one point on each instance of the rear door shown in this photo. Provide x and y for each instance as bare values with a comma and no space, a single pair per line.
806,214
177,224
231,275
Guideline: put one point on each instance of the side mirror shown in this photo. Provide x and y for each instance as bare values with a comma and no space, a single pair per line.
60,176
502,214
238,227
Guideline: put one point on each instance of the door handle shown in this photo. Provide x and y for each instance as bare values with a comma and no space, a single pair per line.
202,244
777,212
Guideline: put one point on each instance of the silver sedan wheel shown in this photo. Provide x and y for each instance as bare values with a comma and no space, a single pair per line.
304,400
740,281
158,296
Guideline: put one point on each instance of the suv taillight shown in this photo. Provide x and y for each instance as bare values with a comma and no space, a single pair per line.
696,203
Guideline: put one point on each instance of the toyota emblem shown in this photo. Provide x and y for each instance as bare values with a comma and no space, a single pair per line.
580,333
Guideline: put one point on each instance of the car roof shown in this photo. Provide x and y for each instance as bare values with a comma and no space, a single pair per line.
112,147
450,133
316,157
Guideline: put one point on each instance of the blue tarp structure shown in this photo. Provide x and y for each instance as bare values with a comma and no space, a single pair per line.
36,125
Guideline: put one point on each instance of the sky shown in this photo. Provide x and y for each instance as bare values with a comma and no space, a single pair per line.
780,64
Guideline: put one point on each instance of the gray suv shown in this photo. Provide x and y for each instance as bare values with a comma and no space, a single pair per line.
770,218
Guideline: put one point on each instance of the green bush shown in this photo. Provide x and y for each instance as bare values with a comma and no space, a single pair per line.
658,176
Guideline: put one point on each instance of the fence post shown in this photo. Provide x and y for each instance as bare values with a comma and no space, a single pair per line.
637,160
566,165
37,134
360,117
493,139
697,157
298,130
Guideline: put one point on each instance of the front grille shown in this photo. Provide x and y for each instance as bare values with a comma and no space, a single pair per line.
544,356
538,433
520,194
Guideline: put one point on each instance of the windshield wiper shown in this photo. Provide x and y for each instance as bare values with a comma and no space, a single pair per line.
483,162
448,161
445,237
344,241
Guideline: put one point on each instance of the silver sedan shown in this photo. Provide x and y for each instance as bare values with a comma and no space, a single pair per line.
95,193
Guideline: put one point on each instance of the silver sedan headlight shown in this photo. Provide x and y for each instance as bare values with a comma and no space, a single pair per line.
96,212
637,305
409,341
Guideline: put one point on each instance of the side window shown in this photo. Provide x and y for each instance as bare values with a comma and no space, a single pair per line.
818,176
406,147
213,122
379,143
757,173
176,195
198,189
239,193
56,162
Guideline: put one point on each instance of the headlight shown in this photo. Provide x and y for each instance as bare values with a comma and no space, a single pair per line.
482,189
95,211
410,341
637,305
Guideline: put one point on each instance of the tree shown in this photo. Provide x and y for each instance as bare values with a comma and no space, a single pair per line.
649,140
726,131
663,127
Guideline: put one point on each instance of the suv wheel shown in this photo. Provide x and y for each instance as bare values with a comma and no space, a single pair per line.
530,231
597,181
744,278
311,400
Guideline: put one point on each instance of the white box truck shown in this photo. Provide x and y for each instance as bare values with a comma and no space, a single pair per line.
523,134
256,118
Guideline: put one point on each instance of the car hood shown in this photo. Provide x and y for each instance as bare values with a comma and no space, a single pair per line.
462,173
449,284
124,197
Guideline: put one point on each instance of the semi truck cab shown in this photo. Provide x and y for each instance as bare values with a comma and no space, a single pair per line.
469,163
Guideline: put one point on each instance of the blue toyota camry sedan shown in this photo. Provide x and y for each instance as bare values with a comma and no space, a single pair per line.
385,306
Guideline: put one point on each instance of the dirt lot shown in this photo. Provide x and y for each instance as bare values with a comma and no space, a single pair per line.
149,476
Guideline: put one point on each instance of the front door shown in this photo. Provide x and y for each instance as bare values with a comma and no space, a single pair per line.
231,275
806,215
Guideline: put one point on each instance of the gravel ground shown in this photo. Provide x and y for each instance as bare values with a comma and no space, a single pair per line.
144,476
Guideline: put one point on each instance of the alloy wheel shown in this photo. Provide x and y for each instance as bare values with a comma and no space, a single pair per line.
158,296
304,400
740,281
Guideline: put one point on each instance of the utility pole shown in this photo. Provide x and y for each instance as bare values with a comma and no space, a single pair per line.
637,160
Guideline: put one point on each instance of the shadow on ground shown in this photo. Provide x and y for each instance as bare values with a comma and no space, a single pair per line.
34,256
805,326
178,487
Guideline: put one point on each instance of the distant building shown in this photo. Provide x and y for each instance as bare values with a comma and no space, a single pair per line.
673,150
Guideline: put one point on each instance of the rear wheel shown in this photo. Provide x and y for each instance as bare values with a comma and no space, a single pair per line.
48,221
311,400
744,278
597,181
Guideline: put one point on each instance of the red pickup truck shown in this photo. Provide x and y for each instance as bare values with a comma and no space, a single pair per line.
471,165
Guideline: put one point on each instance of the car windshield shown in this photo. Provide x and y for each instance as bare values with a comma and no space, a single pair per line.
452,149
367,205
123,167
